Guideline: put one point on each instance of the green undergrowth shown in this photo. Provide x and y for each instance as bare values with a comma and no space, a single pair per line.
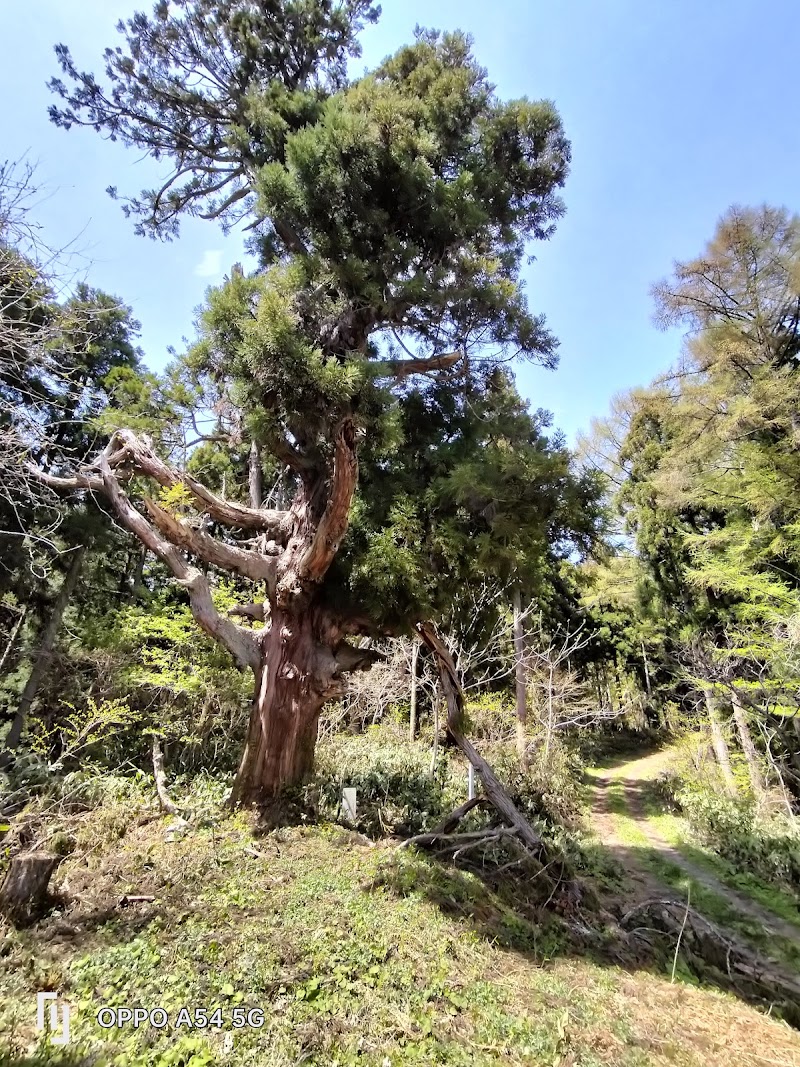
747,834
351,955
356,953
400,792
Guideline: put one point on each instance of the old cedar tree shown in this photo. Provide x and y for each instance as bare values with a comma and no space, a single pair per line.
391,214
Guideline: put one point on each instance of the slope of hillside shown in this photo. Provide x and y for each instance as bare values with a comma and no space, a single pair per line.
354,952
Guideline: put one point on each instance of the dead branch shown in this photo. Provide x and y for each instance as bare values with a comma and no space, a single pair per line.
403,368
449,824
711,952
456,841
137,452
160,776
252,565
141,898
257,612
454,697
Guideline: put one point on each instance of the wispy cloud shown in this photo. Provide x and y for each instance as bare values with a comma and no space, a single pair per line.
210,265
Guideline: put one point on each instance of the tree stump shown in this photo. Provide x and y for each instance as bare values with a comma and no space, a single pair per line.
24,891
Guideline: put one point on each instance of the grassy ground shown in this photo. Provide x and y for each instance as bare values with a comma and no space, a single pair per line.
356,954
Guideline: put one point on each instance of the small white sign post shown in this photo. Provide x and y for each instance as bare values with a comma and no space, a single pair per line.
349,804
471,783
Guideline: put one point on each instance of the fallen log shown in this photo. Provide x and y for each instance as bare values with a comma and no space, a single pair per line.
23,894
712,954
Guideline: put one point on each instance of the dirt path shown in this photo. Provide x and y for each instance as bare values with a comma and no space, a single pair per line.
634,775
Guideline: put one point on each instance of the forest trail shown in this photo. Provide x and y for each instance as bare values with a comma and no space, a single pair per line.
634,776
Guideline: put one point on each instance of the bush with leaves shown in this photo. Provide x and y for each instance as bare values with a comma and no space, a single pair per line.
396,792
750,835
177,682
768,846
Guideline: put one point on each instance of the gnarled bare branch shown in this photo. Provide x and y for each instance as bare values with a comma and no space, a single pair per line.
241,643
249,564
404,368
227,512
257,612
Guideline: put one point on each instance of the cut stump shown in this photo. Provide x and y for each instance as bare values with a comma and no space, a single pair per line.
23,894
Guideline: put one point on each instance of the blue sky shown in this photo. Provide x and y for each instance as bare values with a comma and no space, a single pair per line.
675,109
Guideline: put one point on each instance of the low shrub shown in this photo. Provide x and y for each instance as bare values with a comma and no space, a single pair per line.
548,787
398,793
766,846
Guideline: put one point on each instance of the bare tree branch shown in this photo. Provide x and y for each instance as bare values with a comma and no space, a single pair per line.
276,523
241,643
252,565
404,368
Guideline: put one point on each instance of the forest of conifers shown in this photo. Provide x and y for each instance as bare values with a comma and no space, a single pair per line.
331,546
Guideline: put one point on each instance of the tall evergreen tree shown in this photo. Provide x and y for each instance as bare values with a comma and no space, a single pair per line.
710,468
391,214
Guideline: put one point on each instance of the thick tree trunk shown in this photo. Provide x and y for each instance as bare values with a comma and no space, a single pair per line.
718,742
300,657
412,717
43,656
293,682
520,681
748,747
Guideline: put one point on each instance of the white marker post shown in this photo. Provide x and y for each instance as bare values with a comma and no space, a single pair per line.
471,783
349,804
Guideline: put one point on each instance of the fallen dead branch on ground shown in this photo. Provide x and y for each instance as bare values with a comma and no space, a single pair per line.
713,954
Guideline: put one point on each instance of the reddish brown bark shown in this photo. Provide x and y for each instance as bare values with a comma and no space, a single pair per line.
300,657
303,663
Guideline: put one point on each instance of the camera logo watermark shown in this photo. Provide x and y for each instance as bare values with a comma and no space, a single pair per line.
59,1031
53,1018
